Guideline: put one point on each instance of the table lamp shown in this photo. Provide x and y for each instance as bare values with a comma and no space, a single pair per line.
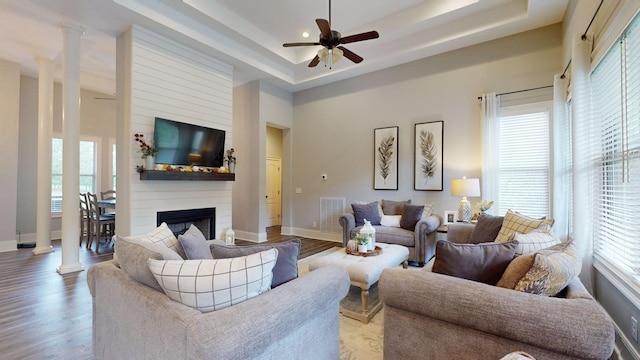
465,187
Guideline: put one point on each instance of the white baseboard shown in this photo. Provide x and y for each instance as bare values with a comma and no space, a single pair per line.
313,234
8,245
251,236
70,268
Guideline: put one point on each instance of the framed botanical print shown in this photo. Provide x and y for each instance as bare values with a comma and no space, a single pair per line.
428,156
385,168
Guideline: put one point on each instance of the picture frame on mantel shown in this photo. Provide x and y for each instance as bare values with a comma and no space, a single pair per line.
385,158
428,156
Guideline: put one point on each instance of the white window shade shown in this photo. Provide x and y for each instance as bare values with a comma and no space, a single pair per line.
524,160
615,142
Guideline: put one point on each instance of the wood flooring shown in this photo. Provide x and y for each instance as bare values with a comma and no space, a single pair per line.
44,315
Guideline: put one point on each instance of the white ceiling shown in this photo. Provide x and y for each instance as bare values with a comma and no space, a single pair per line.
249,33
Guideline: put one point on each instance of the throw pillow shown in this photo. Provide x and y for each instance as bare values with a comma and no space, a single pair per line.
390,220
428,210
162,235
365,203
286,268
366,211
518,223
208,285
194,244
411,214
516,271
484,262
535,240
390,207
133,254
552,270
486,229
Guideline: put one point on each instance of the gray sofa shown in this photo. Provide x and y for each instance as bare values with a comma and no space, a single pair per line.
453,318
296,320
420,242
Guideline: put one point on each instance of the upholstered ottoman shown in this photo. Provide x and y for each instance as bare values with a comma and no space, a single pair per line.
364,271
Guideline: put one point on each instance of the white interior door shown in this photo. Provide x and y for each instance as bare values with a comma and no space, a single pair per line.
274,197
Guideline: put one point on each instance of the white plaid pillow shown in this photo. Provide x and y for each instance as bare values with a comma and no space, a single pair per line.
162,235
428,210
517,223
534,241
208,285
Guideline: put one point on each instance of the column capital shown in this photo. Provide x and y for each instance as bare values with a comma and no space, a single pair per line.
64,26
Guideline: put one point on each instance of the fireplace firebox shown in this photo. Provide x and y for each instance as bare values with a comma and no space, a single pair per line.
180,220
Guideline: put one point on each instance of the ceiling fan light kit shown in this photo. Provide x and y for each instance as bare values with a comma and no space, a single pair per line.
332,41
330,56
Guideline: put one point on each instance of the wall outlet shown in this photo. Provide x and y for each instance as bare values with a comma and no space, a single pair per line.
315,224
634,329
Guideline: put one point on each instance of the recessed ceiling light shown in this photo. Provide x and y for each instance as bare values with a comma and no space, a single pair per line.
305,34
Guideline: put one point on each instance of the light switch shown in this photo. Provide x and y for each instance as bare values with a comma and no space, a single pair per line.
298,190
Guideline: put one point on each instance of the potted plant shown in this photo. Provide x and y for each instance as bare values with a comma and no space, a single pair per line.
230,159
363,242
148,151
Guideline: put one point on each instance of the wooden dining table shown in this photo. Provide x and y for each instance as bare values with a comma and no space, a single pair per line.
107,204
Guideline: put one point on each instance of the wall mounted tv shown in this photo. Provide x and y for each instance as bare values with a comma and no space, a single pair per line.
187,144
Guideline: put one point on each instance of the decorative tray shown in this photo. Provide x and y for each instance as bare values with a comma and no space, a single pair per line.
374,252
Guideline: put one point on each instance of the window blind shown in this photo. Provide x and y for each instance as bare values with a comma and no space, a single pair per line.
523,161
615,142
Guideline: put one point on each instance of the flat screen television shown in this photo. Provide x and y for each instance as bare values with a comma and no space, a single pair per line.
187,144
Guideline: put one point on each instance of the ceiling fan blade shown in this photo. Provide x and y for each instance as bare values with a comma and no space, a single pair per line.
360,37
300,44
325,28
350,55
315,61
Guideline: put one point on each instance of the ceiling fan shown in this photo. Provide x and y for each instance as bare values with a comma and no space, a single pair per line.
332,42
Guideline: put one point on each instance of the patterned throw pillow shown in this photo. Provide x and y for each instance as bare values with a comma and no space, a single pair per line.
163,236
517,223
552,270
535,240
208,285
428,210
286,268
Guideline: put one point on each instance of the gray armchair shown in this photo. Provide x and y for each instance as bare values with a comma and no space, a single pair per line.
421,241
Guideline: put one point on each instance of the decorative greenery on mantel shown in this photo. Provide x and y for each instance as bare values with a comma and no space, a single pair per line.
185,175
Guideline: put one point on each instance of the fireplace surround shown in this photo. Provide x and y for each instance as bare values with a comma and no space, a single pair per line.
180,220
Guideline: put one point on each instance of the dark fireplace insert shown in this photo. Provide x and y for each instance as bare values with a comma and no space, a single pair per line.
180,220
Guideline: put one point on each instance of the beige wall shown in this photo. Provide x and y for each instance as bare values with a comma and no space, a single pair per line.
9,123
334,123
256,106
97,120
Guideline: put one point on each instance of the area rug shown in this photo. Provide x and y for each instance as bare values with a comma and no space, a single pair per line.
358,341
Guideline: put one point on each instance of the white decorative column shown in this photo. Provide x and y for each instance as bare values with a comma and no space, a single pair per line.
45,129
71,150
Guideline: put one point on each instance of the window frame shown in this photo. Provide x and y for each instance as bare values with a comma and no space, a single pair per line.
96,162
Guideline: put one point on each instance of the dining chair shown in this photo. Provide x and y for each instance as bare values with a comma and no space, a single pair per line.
101,225
84,219
108,195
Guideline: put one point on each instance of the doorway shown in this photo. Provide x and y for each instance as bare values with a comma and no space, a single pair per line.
274,192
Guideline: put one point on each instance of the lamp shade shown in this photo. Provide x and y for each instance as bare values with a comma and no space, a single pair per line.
330,56
465,187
